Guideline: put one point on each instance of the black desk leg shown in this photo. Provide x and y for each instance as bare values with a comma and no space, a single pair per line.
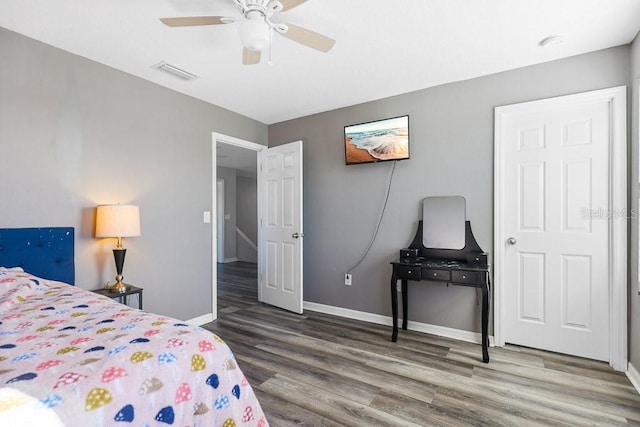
405,305
394,307
485,323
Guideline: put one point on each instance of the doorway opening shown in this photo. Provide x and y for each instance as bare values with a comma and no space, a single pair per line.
234,236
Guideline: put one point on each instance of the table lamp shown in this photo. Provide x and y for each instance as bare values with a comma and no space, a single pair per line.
118,221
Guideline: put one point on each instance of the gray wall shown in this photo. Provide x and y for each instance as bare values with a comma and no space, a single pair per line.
451,154
634,303
75,134
247,217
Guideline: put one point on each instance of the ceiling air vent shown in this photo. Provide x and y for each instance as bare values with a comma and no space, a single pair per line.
175,71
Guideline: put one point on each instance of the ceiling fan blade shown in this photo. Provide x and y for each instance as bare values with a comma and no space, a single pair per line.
309,38
191,21
290,4
250,57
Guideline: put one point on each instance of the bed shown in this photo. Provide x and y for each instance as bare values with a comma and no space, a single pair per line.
70,357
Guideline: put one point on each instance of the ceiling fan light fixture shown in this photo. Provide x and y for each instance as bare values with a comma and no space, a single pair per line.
256,27
254,32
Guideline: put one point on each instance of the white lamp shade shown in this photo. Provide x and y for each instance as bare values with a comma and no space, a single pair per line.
117,221
254,33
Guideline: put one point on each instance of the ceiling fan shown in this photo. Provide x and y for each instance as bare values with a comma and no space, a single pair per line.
257,27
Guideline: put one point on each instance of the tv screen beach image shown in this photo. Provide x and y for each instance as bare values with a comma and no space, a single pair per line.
377,141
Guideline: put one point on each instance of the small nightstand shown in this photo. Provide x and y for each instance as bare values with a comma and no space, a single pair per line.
122,296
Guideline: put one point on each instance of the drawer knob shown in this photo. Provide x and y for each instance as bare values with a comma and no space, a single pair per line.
435,274
464,277
409,271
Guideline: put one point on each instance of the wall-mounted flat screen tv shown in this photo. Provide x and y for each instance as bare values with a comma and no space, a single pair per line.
377,141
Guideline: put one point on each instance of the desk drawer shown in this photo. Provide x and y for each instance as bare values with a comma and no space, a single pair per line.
408,272
431,274
464,277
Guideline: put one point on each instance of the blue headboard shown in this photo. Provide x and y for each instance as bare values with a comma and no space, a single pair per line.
43,252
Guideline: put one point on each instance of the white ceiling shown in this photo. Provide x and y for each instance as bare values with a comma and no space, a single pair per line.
245,161
383,48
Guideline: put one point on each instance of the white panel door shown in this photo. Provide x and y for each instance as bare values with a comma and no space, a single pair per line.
280,254
556,256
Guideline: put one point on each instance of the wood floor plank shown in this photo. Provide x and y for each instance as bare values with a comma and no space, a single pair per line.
590,402
342,410
323,355
283,413
359,352
473,410
564,379
599,371
321,370
357,371
334,356
415,411
329,381
489,401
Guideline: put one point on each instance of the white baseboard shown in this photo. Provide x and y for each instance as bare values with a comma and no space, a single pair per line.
634,376
379,319
201,320
233,259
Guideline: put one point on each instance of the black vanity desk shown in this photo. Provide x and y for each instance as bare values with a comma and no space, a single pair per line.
444,266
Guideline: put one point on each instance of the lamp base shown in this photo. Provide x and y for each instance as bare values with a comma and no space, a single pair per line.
119,287
118,254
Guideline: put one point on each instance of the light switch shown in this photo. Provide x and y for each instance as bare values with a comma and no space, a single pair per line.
207,217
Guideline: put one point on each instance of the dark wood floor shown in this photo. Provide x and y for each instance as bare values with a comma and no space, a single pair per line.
321,370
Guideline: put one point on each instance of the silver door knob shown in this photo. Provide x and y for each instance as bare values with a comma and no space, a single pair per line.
512,240
296,235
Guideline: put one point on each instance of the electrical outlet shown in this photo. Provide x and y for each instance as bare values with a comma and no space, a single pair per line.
347,279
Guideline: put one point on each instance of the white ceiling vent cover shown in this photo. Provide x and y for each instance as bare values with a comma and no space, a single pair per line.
175,71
